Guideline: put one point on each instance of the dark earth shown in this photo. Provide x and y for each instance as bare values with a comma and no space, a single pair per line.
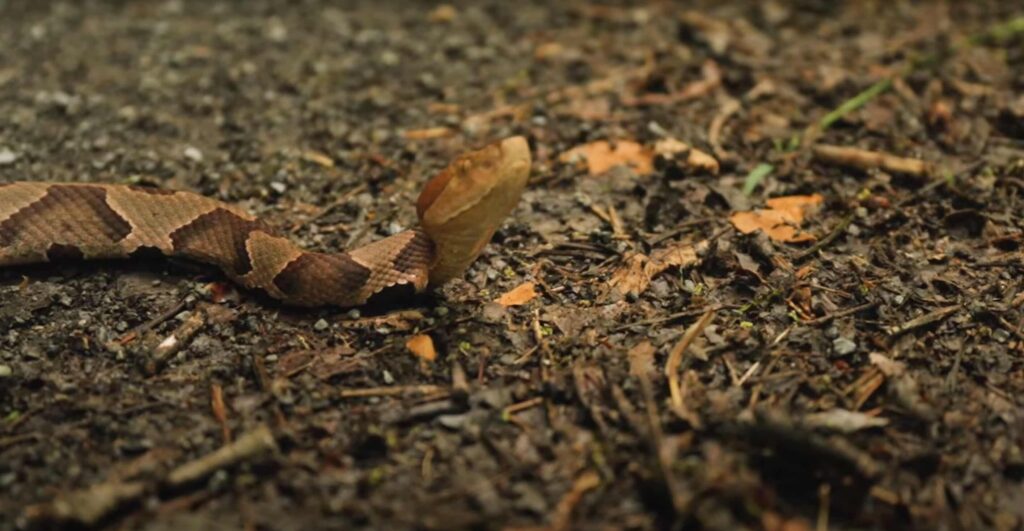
871,376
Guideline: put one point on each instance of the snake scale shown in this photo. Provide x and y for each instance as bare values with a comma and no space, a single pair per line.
458,210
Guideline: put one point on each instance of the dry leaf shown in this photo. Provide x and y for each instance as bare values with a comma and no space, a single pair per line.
693,158
518,295
422,346
635,275
781,220
601,156
631,277
641,359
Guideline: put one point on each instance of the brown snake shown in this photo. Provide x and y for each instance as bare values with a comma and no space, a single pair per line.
459,210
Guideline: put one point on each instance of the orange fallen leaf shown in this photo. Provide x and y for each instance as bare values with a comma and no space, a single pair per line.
422,346
601,156
518,295
781,220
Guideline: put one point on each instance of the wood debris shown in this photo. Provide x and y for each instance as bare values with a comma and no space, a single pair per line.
88,507
867,160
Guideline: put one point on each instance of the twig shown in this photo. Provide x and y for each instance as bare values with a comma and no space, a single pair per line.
174,342
130,336
396,390
675,359
923,320
88,507
867,160
824,242
220,411
254,443
841,313
725,111
562,519
672,317
521,406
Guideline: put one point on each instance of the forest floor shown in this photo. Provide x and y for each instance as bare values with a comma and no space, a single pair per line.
767,273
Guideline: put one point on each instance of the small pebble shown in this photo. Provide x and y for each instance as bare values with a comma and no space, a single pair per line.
493,312
7,157
844,346
321,325
1001,335
353,314
278,186
193,154
388,378
5,371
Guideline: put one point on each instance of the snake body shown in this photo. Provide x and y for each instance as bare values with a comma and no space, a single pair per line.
459,210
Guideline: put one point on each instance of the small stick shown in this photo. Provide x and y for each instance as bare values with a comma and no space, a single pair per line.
675,359
220,411
673,317
522,406
88,507
254,443
618,230
174,342
130,336
924,320
562,519
867,160
824,242
396,390
840,314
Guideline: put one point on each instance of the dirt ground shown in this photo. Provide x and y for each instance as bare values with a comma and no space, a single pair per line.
627,353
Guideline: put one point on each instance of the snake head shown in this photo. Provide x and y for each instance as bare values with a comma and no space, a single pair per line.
462,206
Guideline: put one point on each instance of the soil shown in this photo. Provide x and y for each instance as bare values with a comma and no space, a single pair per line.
667,371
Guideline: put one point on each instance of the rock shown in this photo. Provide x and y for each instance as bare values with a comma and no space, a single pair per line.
193,154
843,346
7,157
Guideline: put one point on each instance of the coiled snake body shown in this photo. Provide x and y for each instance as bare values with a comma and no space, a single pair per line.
459,210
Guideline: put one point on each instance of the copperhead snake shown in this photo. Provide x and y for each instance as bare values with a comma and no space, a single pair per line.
459,211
